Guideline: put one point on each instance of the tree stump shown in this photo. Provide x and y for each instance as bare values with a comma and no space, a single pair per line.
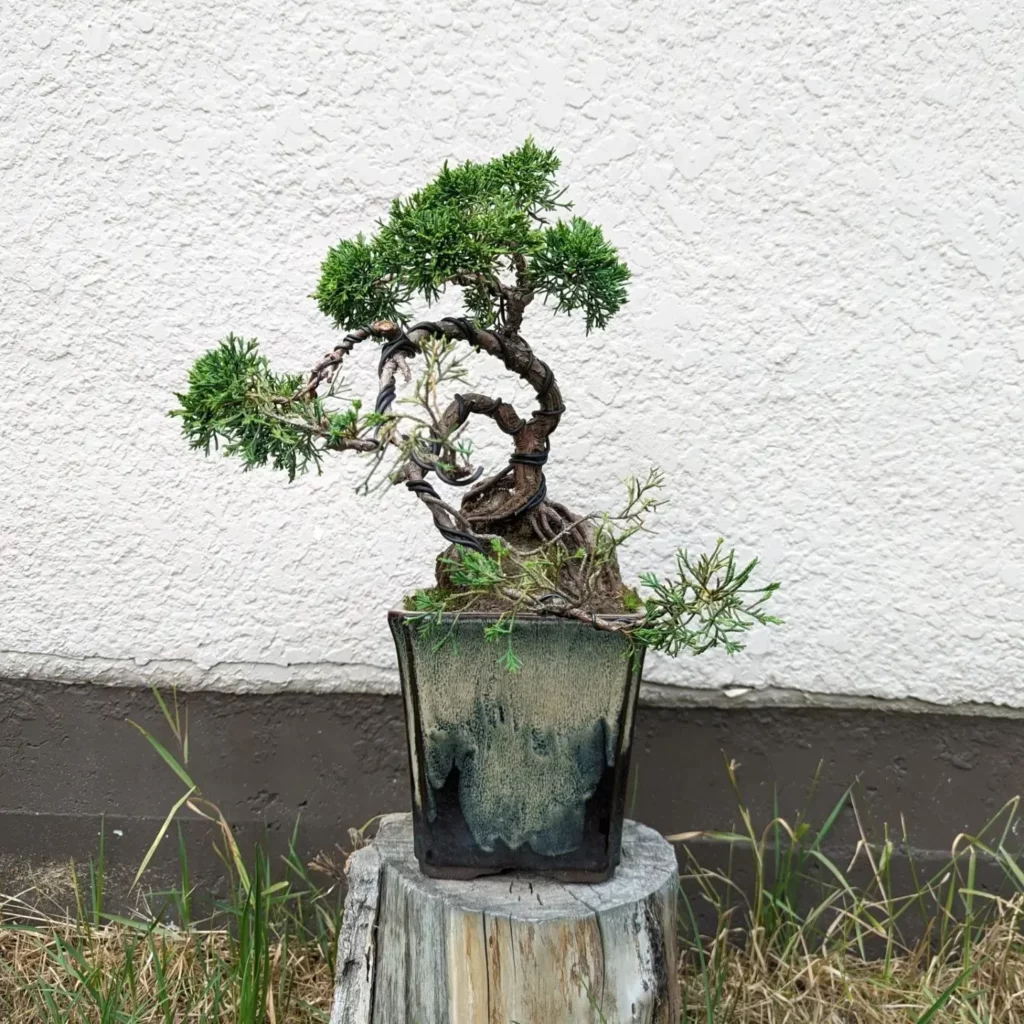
507,949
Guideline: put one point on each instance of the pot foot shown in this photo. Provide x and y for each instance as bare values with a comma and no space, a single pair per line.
568,876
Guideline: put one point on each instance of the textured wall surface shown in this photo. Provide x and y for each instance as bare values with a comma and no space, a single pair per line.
822,206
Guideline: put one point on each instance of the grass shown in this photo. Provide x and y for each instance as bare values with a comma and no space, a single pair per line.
809,941
265,956
787,936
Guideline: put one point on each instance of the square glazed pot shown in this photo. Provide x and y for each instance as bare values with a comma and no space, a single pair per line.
518,770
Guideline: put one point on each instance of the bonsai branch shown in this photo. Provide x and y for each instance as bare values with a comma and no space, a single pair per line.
528,488
450,524
560,605
330,363
463,406
338,444
491,285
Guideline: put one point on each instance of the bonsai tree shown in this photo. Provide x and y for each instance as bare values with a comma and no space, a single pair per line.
487,234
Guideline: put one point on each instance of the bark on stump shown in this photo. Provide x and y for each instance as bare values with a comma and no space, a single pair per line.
507,949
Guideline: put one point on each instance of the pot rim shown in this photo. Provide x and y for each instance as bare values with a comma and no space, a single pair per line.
404,613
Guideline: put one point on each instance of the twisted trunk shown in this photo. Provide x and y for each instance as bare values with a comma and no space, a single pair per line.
512,504
498,499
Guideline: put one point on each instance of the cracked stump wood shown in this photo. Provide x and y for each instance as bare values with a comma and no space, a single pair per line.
507,949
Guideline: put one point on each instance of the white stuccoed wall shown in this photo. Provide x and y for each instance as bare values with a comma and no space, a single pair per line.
822,206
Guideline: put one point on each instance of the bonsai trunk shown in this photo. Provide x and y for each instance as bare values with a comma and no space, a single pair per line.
513,504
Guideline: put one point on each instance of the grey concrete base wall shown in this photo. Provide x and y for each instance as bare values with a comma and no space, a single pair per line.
70,758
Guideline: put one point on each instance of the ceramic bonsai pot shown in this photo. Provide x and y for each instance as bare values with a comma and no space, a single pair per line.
523,770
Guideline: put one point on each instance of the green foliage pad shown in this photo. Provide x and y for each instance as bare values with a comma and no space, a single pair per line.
473,224
234,397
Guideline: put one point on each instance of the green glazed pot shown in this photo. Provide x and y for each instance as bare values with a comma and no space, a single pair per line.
523,770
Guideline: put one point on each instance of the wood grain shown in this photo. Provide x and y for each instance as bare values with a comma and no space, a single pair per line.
356,968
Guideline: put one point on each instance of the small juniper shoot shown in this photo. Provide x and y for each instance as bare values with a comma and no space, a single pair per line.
501,234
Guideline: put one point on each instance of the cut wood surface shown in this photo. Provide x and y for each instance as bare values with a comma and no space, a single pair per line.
508,949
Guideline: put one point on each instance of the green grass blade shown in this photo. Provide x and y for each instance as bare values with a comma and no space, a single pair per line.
830,821
698,943
160,835
97,871
185,900
172,722
168,757
947,994
1011,865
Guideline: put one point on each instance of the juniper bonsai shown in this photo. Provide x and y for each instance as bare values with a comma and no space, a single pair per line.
485,228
